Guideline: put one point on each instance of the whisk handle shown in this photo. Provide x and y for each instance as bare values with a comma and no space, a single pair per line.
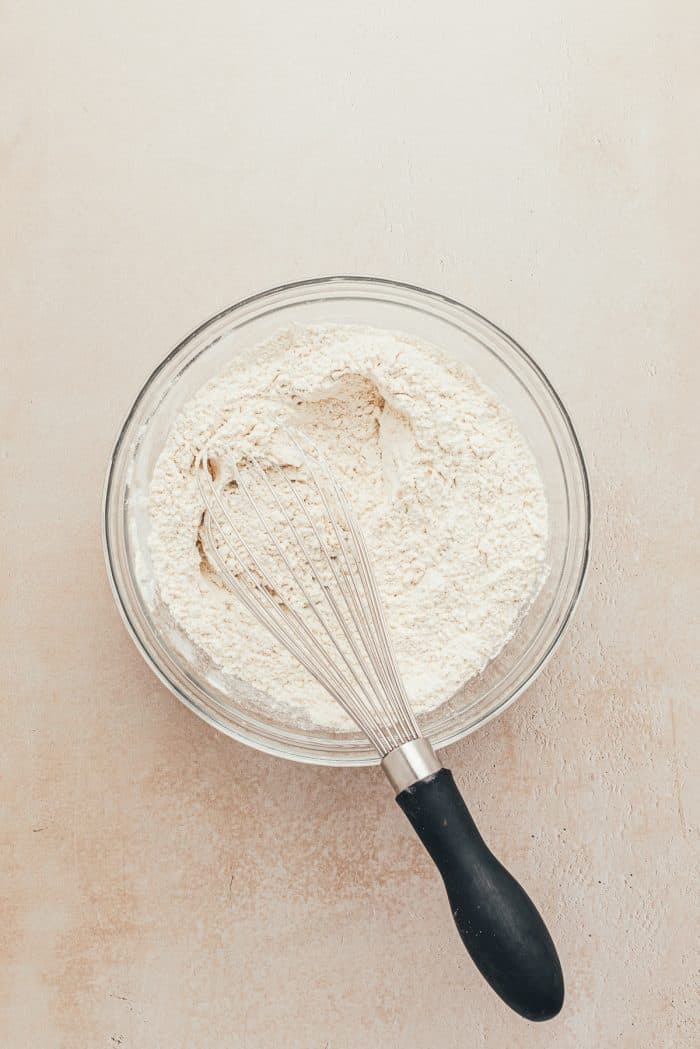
498,922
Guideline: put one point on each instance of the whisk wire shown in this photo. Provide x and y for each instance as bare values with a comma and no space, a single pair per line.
381,631
375,696
357,667
374,633
306,648
371,698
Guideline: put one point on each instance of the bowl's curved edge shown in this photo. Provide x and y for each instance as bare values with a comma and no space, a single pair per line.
368,757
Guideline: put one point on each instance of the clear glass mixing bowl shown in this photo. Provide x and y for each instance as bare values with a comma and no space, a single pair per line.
503,365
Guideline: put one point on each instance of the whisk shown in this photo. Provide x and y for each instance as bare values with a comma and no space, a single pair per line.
283,537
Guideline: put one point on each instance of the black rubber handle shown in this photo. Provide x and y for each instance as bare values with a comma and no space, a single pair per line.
497,920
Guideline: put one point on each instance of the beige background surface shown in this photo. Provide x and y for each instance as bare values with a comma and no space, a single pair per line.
163,887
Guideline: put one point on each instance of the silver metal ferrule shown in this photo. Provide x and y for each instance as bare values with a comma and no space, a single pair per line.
410,763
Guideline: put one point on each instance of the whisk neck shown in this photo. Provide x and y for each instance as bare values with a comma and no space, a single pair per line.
410,763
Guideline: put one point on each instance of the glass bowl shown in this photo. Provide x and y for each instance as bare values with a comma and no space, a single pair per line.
498,361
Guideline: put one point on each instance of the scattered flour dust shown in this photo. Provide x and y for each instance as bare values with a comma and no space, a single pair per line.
448,494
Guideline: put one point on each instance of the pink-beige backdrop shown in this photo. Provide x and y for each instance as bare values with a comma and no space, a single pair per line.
162,887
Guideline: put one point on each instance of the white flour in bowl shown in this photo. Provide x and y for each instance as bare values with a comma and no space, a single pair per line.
448,494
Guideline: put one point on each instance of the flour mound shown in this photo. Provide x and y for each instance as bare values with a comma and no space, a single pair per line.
447,492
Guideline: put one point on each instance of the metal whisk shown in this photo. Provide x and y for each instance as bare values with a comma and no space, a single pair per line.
285,540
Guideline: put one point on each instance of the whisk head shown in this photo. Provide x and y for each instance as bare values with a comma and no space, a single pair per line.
284,539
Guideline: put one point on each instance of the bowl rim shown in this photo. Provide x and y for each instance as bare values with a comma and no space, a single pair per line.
345,759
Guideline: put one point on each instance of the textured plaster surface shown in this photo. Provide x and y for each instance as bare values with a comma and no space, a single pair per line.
161,886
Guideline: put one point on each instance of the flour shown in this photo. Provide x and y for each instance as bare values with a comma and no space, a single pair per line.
447,492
